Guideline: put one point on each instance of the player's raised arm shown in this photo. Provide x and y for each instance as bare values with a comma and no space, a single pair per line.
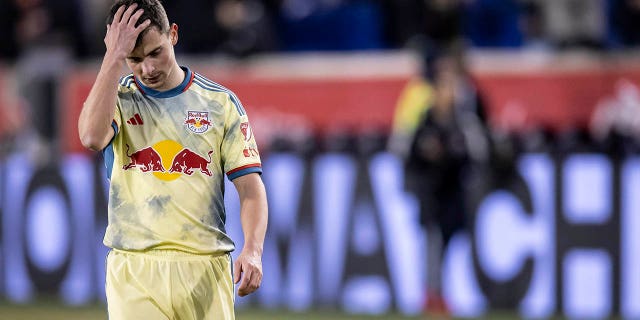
253,215
94,124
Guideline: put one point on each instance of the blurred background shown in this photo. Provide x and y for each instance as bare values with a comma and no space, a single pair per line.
445,157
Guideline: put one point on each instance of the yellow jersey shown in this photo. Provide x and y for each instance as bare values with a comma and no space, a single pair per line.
167,163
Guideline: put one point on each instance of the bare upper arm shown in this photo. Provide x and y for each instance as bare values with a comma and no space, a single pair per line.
107,139
249,185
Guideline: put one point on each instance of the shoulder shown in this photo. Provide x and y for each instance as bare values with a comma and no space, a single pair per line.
208,84
127,84
216,91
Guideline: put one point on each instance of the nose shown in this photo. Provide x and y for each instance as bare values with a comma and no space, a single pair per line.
147,68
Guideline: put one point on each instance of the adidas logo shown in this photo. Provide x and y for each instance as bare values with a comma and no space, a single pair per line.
135,120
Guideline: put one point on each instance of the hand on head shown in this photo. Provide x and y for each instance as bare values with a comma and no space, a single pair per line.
123,33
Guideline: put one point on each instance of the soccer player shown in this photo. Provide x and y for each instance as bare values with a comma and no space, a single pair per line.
169,136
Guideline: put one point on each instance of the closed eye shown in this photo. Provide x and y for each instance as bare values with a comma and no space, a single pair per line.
155,53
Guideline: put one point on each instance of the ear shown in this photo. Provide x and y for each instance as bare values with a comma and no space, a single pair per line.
173,34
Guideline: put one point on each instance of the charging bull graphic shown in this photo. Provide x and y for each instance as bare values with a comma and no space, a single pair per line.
147,159
151,159
187,160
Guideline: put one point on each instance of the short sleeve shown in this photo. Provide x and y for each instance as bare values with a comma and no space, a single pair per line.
117,120
240,154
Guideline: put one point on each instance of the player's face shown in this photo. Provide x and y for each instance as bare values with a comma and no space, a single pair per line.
153,61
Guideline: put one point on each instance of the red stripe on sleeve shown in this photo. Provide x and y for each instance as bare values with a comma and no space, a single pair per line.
244,167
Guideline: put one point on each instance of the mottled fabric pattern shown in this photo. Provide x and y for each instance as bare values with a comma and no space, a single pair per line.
170,154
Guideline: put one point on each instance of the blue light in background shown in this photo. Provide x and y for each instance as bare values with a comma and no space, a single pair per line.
587,284
538,172
630,238
48,229
587,185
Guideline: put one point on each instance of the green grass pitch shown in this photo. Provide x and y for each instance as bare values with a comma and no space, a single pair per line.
55,311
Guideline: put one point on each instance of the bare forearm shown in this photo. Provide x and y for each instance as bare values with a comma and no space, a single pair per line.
253,211
94,125
254,224
254,216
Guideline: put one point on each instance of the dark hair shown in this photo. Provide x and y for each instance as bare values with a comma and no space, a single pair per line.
153,10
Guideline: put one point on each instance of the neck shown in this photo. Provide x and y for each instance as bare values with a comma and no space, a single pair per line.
176,77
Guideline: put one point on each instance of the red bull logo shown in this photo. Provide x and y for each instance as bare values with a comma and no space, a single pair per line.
168,160
197,121
245,128
247,133
187,160
146,159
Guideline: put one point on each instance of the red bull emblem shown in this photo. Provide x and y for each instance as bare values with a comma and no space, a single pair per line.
249,149
187,160
197,121
245,128
146,159
155,159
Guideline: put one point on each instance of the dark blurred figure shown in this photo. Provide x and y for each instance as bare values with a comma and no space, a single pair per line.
569,24
247,27
403,21
447,142
428,28
8,23
436,21
30,24
47,36
34,24
234,27
199,30
625,22
443,21
533,27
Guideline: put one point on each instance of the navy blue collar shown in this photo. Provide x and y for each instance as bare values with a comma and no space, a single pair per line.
182,87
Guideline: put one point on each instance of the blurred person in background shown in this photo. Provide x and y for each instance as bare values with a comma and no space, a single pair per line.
533,28
167,219
427,28
571,24
40,24
247,27
615,122
448,140
561,24
237,28
199,31
8,22
47,36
